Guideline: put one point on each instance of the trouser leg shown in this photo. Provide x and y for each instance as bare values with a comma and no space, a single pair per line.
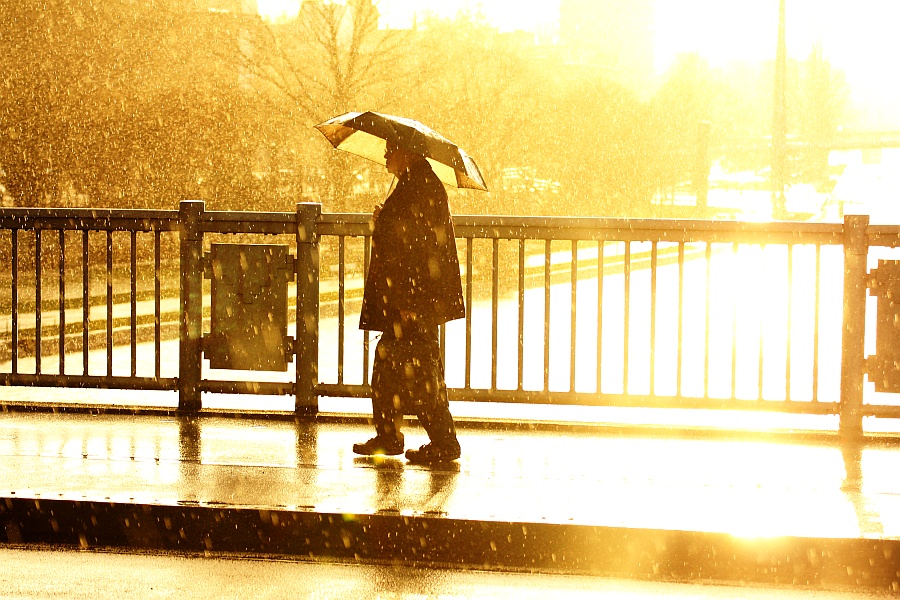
437,421
433,409
408,378
387,413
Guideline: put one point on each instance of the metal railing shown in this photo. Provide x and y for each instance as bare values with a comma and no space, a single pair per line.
43,317
527,267
577,311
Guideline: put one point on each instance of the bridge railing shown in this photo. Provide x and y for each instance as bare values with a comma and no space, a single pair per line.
692,314
80,280
561,311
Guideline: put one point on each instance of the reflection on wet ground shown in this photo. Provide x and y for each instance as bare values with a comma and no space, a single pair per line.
746,488
165,576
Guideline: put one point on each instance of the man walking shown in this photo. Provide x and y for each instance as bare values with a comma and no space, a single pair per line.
413,286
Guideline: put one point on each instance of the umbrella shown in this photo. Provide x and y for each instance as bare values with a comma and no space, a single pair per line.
366,134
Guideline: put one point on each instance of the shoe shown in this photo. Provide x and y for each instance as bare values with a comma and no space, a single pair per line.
379,445
430,453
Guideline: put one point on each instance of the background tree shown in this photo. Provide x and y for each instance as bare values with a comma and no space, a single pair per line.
595,146
479,93
122,104
734,105
49,90
331,59
823,106
685,99
549,138
126,103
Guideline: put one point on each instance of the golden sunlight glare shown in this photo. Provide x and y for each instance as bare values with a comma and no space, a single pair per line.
720,33
278,9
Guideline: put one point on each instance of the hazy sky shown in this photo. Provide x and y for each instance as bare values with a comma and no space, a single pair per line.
506,15
719,30
859,37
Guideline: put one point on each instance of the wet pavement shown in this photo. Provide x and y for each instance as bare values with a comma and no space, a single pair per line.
578,500
53,573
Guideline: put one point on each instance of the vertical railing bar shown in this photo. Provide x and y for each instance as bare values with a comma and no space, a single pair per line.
601,260
134,303
573,338
520,367
366,340
469,308
495,305
734,317
157,303
547,315
190,305
654,260
680,359
853,329
708,319
109,302
308,309
790,300
762,258
341,290
85,301
14,272
818,280
62,301
627,317
38,301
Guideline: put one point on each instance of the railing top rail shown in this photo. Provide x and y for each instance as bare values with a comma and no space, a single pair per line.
89,218
884,235
625,223
268,223
620,229
352,224
474,226
602,228
597,228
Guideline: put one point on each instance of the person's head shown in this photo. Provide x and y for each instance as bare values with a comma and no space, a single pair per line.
398,160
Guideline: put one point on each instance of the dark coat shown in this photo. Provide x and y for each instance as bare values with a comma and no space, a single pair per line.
414,264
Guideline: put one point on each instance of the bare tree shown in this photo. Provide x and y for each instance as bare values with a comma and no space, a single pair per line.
331,59
479,91
122,104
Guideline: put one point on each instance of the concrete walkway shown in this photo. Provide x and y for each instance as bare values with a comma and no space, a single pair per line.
577,500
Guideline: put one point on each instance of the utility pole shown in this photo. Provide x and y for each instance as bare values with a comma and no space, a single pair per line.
779,119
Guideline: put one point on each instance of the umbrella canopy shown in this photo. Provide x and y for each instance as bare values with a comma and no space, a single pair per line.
366,134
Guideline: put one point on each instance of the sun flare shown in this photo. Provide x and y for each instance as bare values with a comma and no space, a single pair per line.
277,9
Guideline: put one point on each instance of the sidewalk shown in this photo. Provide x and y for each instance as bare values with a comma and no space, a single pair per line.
544,500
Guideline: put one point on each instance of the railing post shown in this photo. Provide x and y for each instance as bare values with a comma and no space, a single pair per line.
306,402
190,349
856,249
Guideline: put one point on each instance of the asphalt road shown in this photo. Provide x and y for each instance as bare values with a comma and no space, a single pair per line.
43,573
